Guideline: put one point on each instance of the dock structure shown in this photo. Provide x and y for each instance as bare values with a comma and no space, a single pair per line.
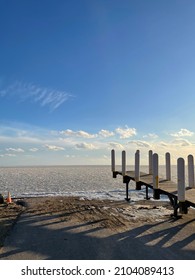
181,196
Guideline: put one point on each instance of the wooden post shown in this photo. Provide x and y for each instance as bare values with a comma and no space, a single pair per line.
150,162
191,171
156,194
114,173
123,163
137,170
181,185
113,160
168,166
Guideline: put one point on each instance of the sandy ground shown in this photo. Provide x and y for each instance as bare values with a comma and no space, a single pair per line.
9,213
78,228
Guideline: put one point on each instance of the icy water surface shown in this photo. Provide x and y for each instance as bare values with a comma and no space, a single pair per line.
86,181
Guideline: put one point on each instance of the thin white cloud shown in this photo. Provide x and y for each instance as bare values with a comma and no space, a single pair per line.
80,133
10,155
54,148
182,133
33,150
181,142
140,143
70,156
163,144
43,96
14,134
17,150
125,132
115,145
106,133
85,145
151,135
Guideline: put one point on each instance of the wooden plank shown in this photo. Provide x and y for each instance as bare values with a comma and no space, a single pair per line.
190,195
168,186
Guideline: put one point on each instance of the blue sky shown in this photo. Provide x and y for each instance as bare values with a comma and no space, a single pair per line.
81,77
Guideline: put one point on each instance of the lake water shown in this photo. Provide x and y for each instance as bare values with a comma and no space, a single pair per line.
84,181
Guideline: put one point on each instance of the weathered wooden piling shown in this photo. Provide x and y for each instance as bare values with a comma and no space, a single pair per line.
168,166
113,168
137,170
191,171
123,163
156,194
150,154
113,160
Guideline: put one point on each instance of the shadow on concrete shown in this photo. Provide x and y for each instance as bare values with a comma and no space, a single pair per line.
50,237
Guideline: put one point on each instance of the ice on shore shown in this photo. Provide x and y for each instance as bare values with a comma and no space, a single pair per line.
92,182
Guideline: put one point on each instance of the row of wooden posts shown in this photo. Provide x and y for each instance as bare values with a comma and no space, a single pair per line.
153,163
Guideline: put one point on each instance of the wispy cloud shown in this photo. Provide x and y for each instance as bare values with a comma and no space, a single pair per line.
115,145
125,132
17,134
106,133
87,146
151,135
140,143
33,150
17,150
41,95
80,133
181,142
54,148
182,133
163,144
10,155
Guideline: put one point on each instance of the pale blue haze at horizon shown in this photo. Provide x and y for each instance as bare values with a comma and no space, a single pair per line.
99,67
